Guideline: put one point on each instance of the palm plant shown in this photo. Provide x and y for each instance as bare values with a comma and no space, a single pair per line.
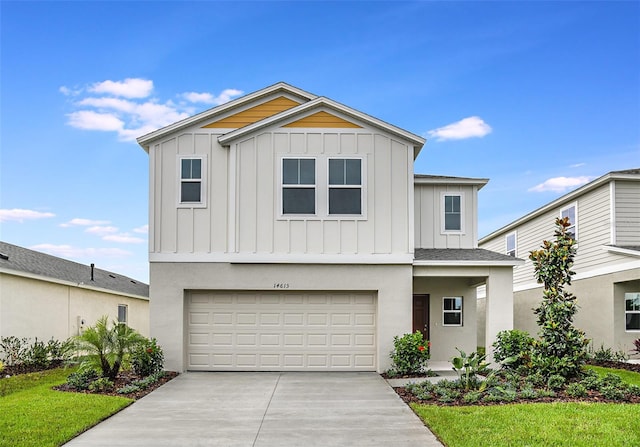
106,346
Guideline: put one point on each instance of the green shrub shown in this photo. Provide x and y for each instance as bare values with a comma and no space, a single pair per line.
576,389
536,379
609,355
82,379
472,397
468,368
546,393
591,382
147,358
101,384
423,391
528,392
513,347
612,392
556,382
410,354
13,350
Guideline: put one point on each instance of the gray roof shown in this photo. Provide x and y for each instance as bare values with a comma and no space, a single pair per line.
462,254
13,257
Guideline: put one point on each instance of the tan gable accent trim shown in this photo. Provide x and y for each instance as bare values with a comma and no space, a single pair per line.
322,119
254,114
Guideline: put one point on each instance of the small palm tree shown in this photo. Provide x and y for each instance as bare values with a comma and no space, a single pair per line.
107,345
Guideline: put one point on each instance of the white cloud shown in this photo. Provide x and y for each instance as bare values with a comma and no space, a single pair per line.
79,222
129,88
68,251
577,165
560,184
144,229
124,238
20,215
101,230
127,108
471,127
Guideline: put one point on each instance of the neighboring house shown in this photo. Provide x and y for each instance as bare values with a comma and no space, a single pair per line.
45,296
288,232
605,214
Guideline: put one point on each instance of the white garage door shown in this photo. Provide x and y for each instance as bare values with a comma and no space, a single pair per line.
270,331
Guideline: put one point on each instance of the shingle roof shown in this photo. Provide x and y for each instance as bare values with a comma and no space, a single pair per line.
462,254
13,257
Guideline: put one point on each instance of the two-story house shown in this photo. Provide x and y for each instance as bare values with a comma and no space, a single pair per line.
288,232
605,214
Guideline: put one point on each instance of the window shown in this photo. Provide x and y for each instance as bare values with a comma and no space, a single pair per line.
191,181
632,311
452,311
452,212
345,186
511,244
570,212
298,186
123,313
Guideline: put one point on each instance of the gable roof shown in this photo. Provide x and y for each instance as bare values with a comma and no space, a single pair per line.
627,174
25,262
309,104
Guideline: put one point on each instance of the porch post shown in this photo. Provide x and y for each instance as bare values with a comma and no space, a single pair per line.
499,305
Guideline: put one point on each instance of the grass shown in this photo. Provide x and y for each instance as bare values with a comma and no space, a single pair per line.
523,425
35,415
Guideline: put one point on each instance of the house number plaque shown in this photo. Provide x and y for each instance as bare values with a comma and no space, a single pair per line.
281,285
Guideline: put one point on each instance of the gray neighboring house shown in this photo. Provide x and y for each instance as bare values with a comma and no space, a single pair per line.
45,296
606,222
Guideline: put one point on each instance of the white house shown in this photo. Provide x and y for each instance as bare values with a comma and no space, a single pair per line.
606,223
45,296
288,232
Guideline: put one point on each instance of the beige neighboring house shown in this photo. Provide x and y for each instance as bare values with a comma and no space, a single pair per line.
288,232
606,222
45,296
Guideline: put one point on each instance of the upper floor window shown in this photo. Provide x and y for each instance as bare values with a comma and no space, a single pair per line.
571,213
192,180
511,244
452,311
632,311
123,313
345,186
298,186
452,204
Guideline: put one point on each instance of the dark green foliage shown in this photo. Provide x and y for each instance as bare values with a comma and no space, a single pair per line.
528,392
141,384
147,358
410,355
468,368
101,384
576,389
561,348
609,355
555,382
37,355
513,348
82,379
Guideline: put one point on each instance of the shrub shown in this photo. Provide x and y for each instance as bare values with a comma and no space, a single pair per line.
147,358
410,354
609,355
37,355
636,346
555,382
82,379
101,384
536,379
561,346
576,389
612,392
423,391
528,392
591,382
468,367
14,349
513,347
472,397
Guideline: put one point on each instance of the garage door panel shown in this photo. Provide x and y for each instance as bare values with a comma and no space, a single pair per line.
280,331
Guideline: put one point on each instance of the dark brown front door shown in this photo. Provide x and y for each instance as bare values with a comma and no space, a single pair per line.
421,315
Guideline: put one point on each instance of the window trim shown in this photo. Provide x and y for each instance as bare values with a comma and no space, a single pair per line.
126,313
203,181
444,298
443,196
626,312
515,244
573,205
282,185
361,186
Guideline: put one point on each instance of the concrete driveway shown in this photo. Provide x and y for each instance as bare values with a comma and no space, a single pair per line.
265,409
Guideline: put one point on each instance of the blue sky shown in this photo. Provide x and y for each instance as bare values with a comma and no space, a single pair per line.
540,97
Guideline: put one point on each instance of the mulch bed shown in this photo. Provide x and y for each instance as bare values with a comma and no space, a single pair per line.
592,396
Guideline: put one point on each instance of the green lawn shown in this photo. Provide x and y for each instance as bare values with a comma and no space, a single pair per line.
32,414
523,425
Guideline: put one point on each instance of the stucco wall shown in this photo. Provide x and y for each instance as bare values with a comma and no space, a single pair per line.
170,280
35,308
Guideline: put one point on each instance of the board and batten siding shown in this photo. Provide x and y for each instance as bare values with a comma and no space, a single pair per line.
253,200
429,216
627,213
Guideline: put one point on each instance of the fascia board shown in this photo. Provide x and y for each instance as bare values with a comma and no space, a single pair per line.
146,140
435,263
228,138
622,251
451,181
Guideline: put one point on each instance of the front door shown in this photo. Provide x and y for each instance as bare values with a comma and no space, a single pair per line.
421,315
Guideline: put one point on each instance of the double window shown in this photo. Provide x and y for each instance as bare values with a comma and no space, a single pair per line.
452,311
192,175
632,311
336,191
452,219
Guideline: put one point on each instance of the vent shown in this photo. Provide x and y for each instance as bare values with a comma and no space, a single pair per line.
112,276
4,257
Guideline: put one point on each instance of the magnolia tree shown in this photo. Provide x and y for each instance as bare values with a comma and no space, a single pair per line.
561,348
